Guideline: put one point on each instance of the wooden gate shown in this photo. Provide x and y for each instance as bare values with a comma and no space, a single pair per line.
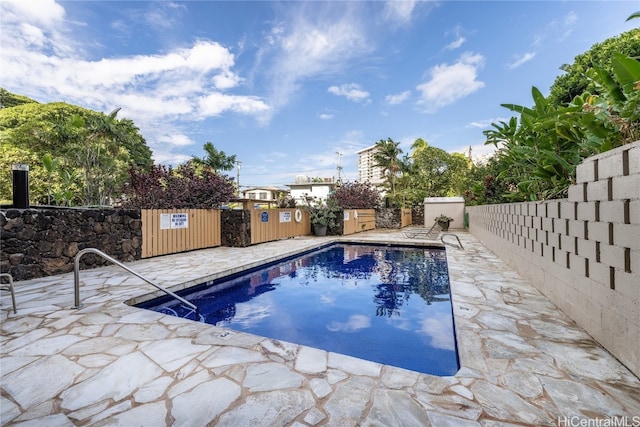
357,220
168,231
275,224
406,218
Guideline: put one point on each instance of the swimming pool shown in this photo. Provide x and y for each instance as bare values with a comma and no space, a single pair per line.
387,304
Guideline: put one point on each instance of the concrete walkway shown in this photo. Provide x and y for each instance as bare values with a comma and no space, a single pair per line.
523,362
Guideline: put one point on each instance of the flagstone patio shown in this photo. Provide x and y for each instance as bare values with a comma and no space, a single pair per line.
523,362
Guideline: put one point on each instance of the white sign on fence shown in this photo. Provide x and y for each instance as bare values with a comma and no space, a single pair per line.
346,215
285,216
165,221
178,220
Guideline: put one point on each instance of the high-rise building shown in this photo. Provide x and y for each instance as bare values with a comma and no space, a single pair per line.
367,169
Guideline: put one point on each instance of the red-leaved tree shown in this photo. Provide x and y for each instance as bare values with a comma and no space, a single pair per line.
163,187
356,195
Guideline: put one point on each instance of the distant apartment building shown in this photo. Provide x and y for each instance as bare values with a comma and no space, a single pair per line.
367,169
311,188
478,160
264,195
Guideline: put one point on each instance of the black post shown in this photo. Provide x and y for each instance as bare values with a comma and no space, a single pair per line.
20,186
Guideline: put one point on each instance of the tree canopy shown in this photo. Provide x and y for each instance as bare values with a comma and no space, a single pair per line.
575,80
427,172
75,155
386,157
8,99
217,160
539,150
432,172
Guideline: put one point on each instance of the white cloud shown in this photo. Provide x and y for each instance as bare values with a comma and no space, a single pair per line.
478,150
355,323
166,136
571,19
398,98
162,15
484,124
216,103
168,157
33,35
351,142
316,42
119,26
327,299
274,156
147,106
559,30
440,331
521,59
455,44
136,72
326,160
399,11
450,82
325,116
459,41
226,80
351,91
162,92
252,312
46,13
569,23
35,24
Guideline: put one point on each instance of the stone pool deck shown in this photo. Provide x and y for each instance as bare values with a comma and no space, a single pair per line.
522,361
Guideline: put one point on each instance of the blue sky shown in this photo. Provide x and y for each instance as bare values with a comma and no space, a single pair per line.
285,86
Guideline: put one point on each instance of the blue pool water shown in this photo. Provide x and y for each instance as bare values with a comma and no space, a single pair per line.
387,304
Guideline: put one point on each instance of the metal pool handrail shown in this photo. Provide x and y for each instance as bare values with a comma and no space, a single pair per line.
442,236
76,279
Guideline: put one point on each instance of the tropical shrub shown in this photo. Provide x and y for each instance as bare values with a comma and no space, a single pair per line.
285,201
540,150
163,187
356,195
484,187
324,213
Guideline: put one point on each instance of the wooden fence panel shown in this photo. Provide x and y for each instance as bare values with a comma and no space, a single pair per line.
406,218
350,222
275,224
358,220
168,231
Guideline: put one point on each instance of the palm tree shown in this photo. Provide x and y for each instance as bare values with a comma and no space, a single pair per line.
418,145
104,150
387,158
217,160
50,165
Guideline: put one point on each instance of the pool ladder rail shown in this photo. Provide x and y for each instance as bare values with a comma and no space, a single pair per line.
443,235
76,279
9,287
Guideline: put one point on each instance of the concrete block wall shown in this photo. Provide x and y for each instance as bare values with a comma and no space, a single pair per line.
582,252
